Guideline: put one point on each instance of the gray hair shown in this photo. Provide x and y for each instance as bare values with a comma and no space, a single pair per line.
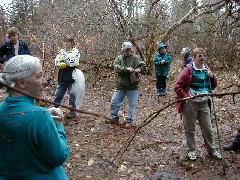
21,66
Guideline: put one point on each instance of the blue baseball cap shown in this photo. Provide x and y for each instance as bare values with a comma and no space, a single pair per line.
162,45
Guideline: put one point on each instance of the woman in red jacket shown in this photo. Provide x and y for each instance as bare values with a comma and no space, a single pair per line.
196,78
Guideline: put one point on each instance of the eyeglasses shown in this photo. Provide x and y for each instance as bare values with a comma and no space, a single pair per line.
202,56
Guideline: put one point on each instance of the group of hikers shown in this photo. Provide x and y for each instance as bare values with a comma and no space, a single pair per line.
32,138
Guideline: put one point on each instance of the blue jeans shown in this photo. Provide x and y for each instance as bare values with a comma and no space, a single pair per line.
117,100
60,92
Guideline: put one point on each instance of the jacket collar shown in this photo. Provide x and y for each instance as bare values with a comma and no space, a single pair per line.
204,67
11,99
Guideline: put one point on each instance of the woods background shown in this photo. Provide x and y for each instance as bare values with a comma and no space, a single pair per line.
100,27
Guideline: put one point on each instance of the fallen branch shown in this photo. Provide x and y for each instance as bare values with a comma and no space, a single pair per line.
152,116
54,103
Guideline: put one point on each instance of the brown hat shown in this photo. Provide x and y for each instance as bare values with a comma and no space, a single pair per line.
12,31
198,51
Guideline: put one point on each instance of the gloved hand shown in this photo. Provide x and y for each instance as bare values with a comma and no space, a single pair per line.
57,114
163,61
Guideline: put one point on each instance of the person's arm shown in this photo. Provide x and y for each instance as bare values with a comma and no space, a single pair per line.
141,68
118,68
72,59
52,142
168,59
213,81
157,59
3,52
59,60
26,49
180,86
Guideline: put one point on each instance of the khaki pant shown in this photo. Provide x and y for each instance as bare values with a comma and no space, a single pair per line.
201,112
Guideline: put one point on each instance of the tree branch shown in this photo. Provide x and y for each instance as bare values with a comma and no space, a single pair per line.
192,15
51,102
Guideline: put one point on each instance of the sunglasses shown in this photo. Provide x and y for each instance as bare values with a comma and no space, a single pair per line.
202,56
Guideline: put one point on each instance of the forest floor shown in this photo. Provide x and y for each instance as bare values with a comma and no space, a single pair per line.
159,149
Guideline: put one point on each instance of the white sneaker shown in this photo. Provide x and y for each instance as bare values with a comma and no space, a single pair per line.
192,155
216,155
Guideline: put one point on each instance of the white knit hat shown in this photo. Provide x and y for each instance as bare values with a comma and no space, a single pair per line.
185,50
126,45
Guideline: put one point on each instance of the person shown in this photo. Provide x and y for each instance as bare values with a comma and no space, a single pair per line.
162,61
124,65
67,61
13,47
196,77
33,145
186,55
235,145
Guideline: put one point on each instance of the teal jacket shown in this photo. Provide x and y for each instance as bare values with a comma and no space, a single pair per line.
123,75
32,145
162,69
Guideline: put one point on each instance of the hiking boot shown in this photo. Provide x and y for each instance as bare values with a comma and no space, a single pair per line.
71,115
164,92
216,155
232,147
112,121
192,155
128,125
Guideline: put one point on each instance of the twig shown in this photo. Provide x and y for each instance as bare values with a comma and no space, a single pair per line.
152,116
54,103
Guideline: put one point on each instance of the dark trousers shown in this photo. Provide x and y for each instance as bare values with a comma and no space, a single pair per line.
161,82
237,139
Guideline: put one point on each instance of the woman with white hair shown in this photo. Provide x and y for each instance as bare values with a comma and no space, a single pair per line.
33,144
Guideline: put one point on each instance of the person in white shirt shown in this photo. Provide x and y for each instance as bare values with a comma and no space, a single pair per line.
67,61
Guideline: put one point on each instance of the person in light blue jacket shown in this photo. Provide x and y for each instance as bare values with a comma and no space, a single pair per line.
33,145
162,61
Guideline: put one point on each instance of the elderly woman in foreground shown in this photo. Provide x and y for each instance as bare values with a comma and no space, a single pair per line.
33,145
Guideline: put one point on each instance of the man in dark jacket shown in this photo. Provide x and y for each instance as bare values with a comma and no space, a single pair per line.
13,47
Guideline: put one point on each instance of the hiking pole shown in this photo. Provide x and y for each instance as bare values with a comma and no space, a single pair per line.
218,132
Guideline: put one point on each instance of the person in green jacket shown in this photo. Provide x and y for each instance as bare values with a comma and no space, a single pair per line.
33,145
124,66
162,61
